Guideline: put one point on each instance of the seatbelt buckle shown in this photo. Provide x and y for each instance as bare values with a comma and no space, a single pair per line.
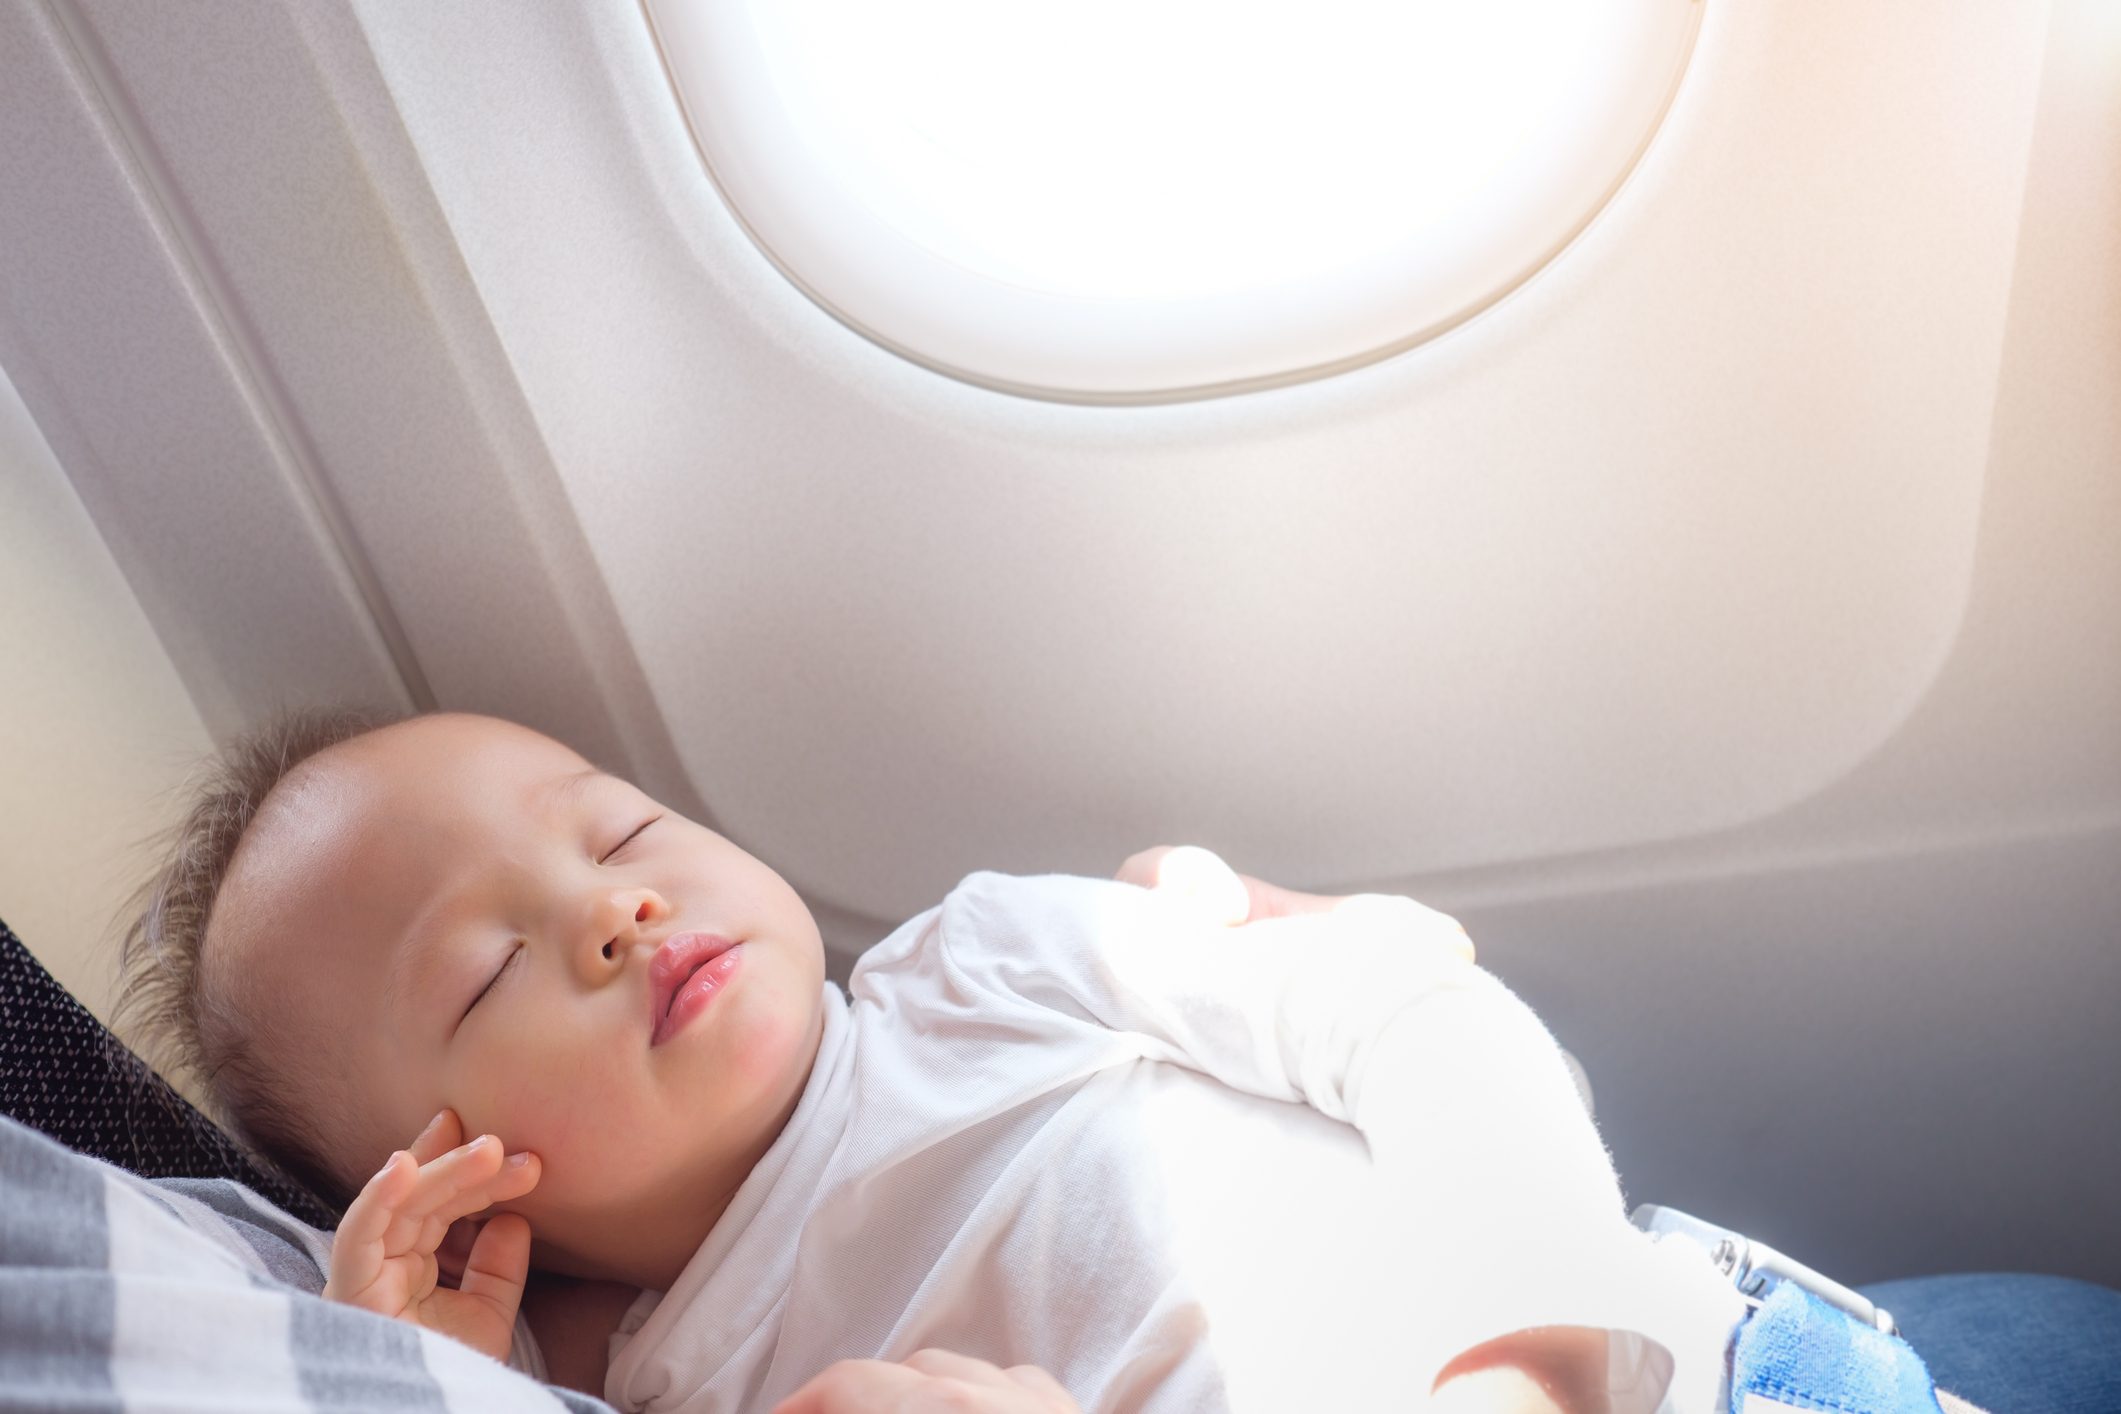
1756,1269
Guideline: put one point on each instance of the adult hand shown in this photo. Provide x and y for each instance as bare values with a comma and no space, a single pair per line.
929,1382
1235,899
383,1256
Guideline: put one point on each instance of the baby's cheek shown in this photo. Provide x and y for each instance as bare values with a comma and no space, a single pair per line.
538,1101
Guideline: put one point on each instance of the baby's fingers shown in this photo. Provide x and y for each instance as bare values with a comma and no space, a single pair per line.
516,1177
385,1254
499,1265
442,1180
464,1181
443,1133
357,1247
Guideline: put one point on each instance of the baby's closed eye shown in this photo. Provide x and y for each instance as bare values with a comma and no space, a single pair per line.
513,954
620,847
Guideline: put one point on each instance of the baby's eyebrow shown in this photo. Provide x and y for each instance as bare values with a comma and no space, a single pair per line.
567,789
412,967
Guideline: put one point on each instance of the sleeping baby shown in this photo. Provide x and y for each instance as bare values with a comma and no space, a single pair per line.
1176,1141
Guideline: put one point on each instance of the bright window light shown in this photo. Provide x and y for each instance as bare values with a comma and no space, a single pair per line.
1137,200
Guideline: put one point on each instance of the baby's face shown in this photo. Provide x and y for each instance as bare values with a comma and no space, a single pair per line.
459,911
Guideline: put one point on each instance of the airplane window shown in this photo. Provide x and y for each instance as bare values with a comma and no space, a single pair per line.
1146,200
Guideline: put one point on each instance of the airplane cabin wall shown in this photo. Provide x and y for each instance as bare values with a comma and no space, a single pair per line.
100,731
1768,744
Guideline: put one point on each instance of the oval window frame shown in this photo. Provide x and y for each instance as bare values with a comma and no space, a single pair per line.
819,230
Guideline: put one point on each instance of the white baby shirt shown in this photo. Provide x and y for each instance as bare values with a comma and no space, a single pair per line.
1184,1167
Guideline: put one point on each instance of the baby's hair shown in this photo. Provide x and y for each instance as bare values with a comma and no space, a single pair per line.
180,1024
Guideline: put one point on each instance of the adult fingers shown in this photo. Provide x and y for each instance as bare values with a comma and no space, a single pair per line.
1140,868
950,1364
1196,875
1200,875
1568,1364
854,1387
1045,1393
928,1382
1042,1384
1265,900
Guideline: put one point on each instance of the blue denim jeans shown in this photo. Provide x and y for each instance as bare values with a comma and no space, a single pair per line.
2013,1343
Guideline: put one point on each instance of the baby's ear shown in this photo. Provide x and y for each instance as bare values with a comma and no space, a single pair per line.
455,1250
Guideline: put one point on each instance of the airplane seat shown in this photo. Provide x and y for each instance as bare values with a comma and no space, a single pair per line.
64,1074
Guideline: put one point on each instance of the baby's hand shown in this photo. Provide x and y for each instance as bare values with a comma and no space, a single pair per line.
929,1382
383,1255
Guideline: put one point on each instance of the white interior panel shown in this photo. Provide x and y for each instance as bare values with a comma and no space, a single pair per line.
98,729
1679,533
144,381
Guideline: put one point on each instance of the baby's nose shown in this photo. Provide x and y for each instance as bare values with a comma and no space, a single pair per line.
633,911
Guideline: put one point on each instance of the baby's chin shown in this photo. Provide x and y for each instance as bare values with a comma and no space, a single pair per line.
770,1049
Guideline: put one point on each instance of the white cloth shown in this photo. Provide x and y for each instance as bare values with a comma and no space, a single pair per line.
1184,1167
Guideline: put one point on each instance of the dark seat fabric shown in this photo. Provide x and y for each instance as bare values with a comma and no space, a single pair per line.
62,1072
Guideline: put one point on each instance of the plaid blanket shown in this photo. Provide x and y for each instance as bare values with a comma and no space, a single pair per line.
123,1294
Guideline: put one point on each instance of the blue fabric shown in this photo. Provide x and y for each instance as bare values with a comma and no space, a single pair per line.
1805,1353
2014,1343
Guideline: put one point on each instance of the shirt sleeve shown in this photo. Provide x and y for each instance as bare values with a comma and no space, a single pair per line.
1360,1013
1460,1092
1366,1014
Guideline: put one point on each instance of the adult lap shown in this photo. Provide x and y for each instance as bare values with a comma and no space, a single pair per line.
2013,1343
